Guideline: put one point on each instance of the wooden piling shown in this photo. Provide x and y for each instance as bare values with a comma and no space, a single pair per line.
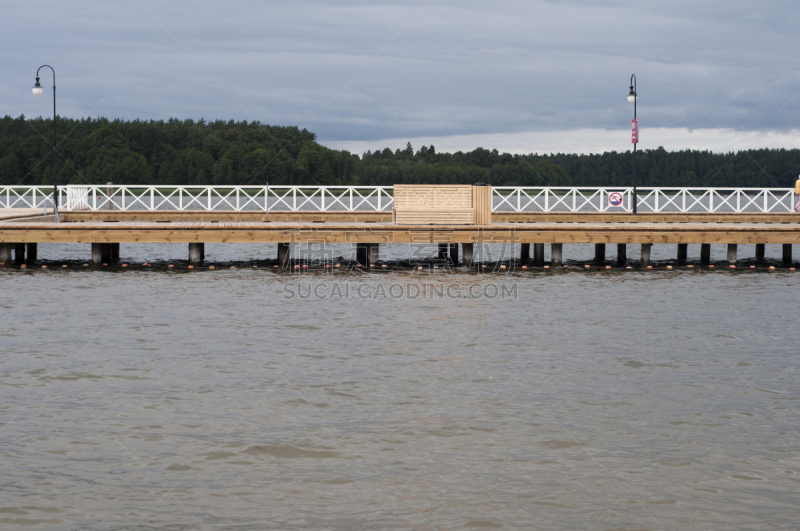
19,253
524,252
787,253
683,252
705,253
97,253
31,251
5,252
556,257
646,247
622,254
114,252
467,254
599,252
453,254
368,253
284,255
732,248
447,251
197,253
760,251
538,254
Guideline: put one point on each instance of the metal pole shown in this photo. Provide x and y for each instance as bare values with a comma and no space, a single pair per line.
55,153
55,140
635,101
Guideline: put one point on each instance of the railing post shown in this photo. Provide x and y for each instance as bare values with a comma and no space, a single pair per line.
152,197
738,201
294,199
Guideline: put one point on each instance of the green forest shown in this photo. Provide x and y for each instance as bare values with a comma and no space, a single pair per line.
188,152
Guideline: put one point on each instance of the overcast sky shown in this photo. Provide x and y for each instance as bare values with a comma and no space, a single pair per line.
518,76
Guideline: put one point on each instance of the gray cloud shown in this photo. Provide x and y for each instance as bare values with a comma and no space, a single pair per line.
457,68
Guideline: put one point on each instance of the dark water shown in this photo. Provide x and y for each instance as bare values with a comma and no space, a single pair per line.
207,400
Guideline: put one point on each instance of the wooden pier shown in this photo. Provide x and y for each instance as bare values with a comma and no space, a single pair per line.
14,232
419,216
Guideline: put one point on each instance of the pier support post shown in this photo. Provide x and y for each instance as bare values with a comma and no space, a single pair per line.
447,251
787,253
599,252
97,253
467,253
524,252
114,252
732,248
197,253
367,253
5,253
646,253
760,251
705,253
19,253
683,252
622,254
538,254
31,251
284,255
556,257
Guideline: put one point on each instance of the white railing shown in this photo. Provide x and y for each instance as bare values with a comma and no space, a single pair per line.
380,198
655,200
203,198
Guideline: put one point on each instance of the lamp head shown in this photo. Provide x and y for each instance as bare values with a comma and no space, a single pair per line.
631,96
37,88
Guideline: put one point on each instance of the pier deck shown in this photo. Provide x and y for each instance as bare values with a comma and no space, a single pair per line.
744,232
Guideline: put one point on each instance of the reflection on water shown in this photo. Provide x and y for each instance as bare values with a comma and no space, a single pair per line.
623,400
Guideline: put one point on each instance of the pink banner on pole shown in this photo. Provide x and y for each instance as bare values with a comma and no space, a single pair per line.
635,132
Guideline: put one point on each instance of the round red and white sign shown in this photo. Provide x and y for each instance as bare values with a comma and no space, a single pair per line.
615,199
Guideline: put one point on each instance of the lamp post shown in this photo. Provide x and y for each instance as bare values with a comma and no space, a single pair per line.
37,91
634,137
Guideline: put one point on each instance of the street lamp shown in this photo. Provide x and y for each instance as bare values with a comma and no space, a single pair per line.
634,137
37,91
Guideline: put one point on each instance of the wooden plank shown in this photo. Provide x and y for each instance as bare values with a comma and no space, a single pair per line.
553,233
482,203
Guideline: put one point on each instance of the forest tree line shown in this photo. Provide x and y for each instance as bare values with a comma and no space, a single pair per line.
188,152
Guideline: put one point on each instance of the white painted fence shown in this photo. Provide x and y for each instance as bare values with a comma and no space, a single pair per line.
379,198
655,200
